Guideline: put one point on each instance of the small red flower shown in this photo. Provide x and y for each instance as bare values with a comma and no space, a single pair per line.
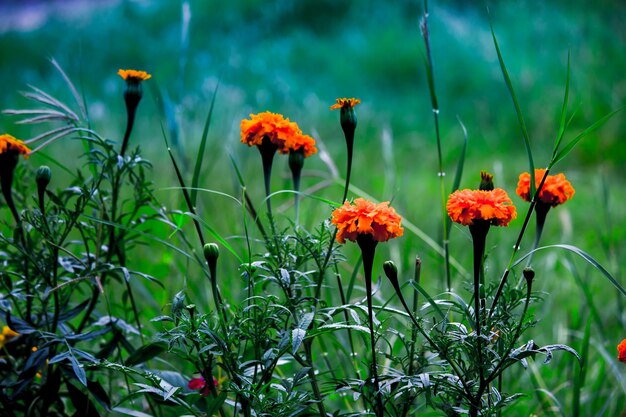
199,384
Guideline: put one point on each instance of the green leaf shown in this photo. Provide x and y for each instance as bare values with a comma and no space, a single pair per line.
200,157
568,148
145,353
432,302
79,371
297,337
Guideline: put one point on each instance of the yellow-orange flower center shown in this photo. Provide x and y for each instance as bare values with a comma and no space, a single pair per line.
364,217
134,75
282,132
345,102
9,144
495,206
556,189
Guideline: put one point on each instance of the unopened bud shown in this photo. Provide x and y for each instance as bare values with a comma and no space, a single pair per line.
296,161
391,271
529,274
486,181
211,252
43,176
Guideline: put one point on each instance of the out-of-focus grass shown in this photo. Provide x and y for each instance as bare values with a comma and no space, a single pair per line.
296,57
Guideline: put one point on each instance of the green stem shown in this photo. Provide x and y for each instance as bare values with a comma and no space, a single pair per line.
516,247
479,230
416,278
368,248
441,172
541,211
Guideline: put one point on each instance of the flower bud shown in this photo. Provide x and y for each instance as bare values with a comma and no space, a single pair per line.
529,275
43,176
211,252
486,181
296,161
391,271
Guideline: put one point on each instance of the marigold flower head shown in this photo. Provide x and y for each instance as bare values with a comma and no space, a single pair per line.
556,189
9,144
364,217
282,132
621,351
134,75
466,206
345,102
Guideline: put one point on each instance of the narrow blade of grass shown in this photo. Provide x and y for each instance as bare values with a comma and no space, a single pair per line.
583,255
518,111
200,157
568,148
563,122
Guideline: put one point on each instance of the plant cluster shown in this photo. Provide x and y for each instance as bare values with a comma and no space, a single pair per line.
299,341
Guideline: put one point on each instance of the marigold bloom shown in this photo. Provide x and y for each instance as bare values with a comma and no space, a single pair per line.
621,351
345,102
9,144
556,189
466,206
364,217
282,132
134,75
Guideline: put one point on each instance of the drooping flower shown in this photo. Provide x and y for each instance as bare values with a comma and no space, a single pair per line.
10,145
134,75
199,384
556,189
280,131
467,206
364,217
621,351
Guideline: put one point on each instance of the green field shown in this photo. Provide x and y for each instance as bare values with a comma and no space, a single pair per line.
295,58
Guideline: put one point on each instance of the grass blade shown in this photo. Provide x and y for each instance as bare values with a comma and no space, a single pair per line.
563,122
567,149
583,255
199,159
518,111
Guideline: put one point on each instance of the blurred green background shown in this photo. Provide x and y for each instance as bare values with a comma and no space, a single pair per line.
296,57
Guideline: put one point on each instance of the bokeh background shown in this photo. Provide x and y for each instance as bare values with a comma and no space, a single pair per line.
295,57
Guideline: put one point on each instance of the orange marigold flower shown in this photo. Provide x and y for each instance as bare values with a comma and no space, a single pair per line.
9,144
343,102
465,206
282,132
556,189
364,217
134,75
621,351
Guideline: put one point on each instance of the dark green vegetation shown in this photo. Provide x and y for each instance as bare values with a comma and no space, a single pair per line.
296,57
